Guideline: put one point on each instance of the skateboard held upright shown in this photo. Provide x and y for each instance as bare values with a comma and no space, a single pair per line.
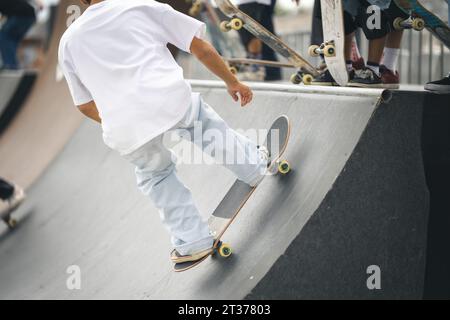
239,193
333,47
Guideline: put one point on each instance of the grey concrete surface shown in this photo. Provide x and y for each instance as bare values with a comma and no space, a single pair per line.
85,210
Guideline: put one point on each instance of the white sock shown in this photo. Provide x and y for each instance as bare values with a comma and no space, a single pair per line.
375,69
349,67
390,58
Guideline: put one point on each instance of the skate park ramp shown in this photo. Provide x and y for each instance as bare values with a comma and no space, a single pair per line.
356,197
359,195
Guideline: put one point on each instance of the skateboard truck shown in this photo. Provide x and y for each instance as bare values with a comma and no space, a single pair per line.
328,49
412,22
233,24
302,76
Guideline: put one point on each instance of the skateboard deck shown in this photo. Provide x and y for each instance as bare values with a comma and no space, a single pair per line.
333,47
418,15
239,19
235,63
239,193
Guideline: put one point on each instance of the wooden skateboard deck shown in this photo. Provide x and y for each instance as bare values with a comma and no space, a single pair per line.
240,19
235,199
436,26
333,47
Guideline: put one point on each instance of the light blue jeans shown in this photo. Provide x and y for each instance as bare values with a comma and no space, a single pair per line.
157,178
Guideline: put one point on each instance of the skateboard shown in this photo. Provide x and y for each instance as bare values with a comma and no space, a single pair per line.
306,72
420,17
222,42
333,47
234,63
239,193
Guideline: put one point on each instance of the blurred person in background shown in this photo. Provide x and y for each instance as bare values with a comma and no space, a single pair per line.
262,11
20,17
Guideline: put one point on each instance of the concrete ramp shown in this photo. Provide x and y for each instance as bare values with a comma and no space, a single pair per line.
356,197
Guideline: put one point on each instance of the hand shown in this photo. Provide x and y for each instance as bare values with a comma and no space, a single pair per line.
239,89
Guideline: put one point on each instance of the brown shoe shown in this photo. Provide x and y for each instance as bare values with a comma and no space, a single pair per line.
390,79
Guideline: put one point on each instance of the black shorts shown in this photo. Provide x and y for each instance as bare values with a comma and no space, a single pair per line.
350,25
257,12
387,19
19,8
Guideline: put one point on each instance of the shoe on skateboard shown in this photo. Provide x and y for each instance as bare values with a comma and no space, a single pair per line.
235,199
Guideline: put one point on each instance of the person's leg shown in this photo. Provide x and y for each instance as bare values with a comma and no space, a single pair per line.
13,32
272,74
157,179
370,76
442,85
253,45
233,150
316,27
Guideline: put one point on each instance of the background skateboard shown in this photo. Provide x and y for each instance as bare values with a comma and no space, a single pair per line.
276,141
333,47
224,43
430,21
235,63
239,19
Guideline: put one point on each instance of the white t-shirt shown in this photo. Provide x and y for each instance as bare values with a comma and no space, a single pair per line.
116,54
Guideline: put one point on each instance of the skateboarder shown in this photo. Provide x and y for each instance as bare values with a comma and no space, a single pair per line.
121,74
11,196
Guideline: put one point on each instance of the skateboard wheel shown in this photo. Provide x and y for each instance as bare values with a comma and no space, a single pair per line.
329,51
236,24
418,24
224,250
295,79
307,79
312,51
284,167
398,24
225,26
233,70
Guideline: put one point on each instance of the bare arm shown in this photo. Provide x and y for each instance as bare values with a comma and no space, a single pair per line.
209,56
90,110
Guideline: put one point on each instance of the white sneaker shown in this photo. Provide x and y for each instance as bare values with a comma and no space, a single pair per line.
265,156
